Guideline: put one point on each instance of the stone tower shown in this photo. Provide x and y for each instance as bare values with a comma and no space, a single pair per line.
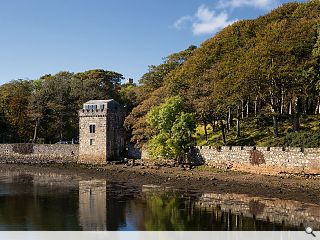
101,132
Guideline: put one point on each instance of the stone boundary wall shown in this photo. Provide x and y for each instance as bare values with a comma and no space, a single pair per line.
267,209
261,160
38,153
266,160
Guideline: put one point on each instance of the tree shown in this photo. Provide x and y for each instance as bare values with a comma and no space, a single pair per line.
14,100
316,56
152,91
59,106
128,96
94,84
171,129
157,75
37,105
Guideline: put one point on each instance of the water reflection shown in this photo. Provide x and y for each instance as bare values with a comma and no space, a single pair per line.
92,205
260,213
33,201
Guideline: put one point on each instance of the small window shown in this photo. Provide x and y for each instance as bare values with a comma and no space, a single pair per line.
91,142
92,128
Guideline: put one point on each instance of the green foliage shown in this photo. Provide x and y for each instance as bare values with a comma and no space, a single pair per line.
47,108
164,213
171,129
152,92
258,133
316,49
302,139
268,67
254,78
128,95
162,118
94,84
156,76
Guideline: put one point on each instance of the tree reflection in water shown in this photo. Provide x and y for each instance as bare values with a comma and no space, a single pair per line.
163,213
41,202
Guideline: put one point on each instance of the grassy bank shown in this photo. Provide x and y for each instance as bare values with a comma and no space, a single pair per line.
258,131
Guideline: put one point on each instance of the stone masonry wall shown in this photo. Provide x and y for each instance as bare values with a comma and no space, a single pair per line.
268,209
263,160
38,153
271,160
97,152
115,135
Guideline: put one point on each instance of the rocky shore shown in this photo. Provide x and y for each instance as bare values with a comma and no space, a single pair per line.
196,180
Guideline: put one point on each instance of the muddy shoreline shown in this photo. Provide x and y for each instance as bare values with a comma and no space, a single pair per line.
197,181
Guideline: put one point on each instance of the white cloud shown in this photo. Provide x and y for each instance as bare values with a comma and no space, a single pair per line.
209,22
262,4
205,21
181,22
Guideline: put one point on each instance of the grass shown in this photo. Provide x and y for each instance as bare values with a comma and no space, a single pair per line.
205,168
259,132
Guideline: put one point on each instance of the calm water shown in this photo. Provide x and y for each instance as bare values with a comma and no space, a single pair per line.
34,201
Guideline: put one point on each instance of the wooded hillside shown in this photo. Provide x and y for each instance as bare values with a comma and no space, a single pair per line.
266,70
256,82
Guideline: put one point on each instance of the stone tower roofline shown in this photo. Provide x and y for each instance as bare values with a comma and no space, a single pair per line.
98,101
99,104
98,107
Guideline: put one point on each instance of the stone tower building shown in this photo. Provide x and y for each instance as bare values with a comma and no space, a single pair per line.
101,132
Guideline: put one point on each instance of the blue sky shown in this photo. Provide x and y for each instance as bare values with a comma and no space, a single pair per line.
41,36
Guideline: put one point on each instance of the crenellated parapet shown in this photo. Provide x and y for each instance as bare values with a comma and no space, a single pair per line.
269,160
93,113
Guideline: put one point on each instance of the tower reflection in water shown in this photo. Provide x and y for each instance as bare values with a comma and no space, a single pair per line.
115,207
92,205
49,202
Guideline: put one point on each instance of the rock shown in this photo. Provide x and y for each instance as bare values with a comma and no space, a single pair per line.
214,179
